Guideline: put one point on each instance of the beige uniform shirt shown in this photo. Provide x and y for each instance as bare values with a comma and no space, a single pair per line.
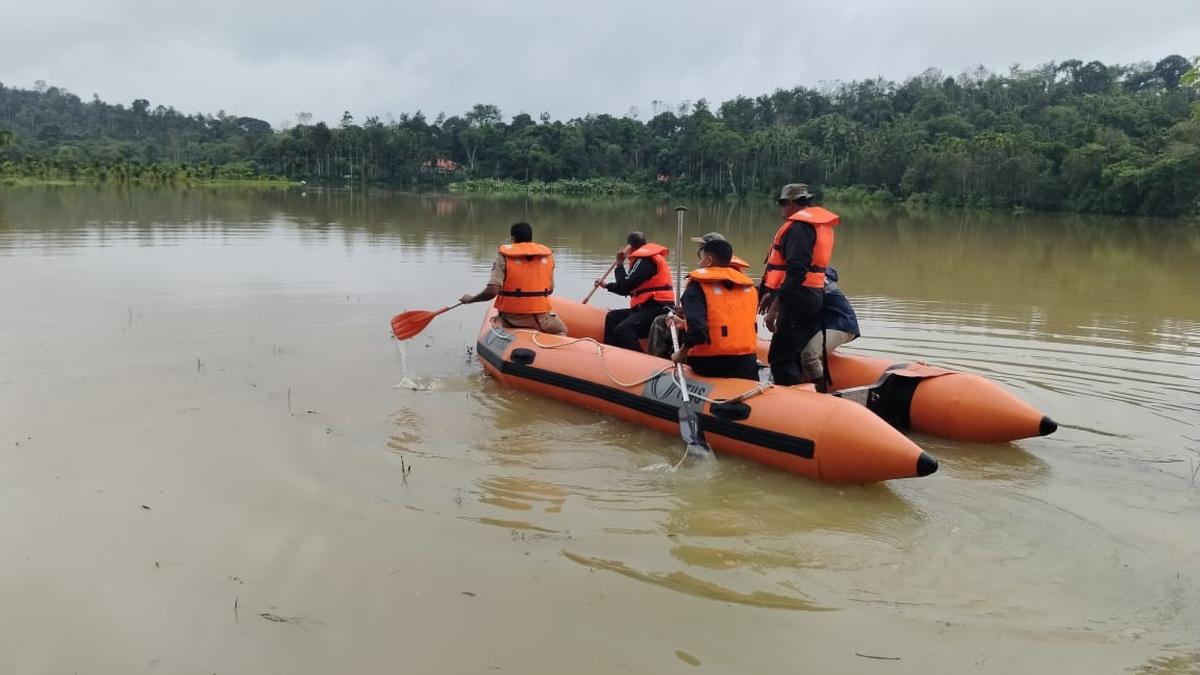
548,322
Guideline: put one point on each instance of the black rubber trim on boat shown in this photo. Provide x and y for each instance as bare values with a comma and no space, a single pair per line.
892,398
730,411
792,445
523,356
1047,427
926,464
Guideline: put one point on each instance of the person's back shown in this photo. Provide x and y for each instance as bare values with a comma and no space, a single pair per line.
522,281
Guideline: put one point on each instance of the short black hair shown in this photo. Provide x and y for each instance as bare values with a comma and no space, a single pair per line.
521,232
720,250
636,239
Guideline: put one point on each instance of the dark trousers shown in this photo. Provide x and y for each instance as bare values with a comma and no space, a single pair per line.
799,319
624,327
744,366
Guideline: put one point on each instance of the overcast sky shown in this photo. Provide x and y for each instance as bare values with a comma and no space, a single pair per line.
273,59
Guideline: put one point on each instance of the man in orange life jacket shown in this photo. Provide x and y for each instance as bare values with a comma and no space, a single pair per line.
720,305
793,284
648,285
659,343
522,281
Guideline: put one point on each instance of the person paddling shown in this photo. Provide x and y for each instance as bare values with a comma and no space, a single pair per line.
648,286
720,306
522,281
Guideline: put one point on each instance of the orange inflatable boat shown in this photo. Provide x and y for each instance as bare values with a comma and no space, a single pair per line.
916,396
933,400
790,428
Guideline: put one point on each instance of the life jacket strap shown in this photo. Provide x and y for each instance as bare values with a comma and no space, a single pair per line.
653,289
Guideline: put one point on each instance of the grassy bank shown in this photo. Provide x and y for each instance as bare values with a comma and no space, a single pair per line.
39,181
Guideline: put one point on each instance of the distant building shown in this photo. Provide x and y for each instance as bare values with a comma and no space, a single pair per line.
441,164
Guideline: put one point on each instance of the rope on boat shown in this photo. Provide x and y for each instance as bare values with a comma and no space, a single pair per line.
761,388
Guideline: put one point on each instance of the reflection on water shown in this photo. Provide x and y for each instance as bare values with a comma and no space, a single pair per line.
261,319
683,582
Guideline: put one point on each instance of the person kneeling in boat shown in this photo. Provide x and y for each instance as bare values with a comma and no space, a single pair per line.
839,325
659,343
522,281
648,285
720,305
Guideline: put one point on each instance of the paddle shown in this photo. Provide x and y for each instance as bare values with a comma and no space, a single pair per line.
412,322
616,261
689,422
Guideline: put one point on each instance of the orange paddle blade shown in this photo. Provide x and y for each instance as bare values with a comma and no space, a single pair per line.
410,323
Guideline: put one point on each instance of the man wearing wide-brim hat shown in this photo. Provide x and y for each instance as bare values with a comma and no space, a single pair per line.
792,288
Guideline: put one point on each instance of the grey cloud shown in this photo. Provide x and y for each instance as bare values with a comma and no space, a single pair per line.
372,57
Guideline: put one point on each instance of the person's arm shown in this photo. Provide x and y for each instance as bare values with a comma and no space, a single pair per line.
494,284
695,310
641,272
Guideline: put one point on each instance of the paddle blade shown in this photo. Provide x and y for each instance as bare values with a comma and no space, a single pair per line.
410,323
689,431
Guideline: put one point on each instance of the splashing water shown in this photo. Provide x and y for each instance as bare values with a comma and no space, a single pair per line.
406,381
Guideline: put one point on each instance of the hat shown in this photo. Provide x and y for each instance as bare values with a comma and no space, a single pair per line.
711,236
793,191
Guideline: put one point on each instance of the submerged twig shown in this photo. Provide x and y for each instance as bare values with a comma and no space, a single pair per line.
878,658
279,619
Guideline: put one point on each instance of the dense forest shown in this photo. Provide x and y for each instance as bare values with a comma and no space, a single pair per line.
1064,136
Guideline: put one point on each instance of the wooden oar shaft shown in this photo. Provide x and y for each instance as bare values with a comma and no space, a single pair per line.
607,272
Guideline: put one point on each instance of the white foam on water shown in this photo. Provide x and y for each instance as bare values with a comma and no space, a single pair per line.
406,381
659,467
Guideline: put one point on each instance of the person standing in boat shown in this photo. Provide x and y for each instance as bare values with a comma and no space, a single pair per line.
522,281
793,284
839,325
648,286
720,306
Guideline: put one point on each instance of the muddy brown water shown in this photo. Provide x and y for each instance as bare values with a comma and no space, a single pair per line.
206,464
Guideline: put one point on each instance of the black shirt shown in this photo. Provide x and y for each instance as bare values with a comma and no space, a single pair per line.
695,310
641,272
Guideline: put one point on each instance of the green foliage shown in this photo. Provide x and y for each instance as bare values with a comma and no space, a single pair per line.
1072,136
569,186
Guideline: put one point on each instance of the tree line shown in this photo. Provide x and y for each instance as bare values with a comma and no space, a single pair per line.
1063,136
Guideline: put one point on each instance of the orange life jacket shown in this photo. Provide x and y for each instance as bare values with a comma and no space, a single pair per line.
657,287
732,312
738,264
528,279
823,222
